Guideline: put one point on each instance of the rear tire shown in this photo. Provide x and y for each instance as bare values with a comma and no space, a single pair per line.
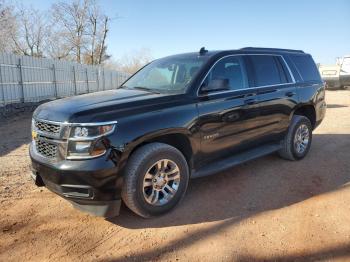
297,141
155,179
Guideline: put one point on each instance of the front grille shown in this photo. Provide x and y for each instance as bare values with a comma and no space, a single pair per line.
48,128
46,149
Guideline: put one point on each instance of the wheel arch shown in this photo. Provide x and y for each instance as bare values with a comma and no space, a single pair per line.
307,111
180,139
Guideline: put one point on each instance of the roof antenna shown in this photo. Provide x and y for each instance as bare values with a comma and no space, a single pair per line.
203,51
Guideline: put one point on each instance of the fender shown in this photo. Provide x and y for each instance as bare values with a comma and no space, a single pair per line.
192,139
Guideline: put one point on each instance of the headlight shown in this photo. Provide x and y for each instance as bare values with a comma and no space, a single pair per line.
87,142
91,132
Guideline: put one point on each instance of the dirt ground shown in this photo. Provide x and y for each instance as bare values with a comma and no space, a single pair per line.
268,209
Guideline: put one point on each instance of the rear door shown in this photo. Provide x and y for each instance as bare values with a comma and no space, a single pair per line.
276,91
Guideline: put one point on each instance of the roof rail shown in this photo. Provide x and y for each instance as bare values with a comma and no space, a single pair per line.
271,49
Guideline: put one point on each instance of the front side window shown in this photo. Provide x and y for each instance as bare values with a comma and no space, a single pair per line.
267,70
167,75
227,74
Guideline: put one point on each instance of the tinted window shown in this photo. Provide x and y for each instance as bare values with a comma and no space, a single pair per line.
284,74
306,67
267,70
231,70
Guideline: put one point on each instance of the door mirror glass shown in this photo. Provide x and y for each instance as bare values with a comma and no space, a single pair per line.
216,85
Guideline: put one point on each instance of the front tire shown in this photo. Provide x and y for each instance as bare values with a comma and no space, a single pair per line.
155,179
297,141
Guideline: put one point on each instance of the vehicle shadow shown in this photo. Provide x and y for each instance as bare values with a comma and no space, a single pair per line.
335,106
257,186
15,132
324,255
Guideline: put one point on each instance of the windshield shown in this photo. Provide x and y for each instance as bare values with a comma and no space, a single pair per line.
167,75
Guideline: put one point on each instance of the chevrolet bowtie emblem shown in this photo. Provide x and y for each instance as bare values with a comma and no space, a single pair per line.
34,135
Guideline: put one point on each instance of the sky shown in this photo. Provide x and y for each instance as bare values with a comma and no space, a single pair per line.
319,27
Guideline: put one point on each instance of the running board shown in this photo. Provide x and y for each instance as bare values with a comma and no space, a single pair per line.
235,160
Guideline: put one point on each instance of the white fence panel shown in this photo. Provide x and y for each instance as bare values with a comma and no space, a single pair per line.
29,79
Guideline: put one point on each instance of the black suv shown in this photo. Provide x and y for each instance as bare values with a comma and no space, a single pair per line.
179,117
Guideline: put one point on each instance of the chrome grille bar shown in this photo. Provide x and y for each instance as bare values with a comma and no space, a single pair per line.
46,127
46,149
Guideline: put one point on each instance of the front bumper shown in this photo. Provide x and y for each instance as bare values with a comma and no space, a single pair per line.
90,185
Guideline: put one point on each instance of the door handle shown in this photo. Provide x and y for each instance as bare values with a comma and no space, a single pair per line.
290,94
250,95
268,91
250,101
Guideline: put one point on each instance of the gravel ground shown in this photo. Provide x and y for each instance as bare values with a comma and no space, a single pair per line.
268,209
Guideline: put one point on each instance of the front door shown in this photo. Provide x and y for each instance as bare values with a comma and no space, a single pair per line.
228,112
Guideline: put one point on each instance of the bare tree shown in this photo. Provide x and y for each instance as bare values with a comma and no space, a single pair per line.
94,15
83,29
72,18
131,62
74,30
57,48
7,26
97,31
103,47
32,31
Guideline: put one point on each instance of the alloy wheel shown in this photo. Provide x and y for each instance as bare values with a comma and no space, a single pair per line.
161,182
301,139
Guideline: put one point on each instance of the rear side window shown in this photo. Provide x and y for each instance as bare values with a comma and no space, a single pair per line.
267,70
306,67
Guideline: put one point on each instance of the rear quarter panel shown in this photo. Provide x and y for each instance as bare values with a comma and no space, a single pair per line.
313,93
309,92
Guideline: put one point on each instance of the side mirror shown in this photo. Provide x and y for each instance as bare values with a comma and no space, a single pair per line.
216,85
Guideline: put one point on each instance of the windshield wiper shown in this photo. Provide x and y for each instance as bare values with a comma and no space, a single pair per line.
146,89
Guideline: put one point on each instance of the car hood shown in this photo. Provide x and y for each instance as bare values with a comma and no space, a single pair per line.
98,106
